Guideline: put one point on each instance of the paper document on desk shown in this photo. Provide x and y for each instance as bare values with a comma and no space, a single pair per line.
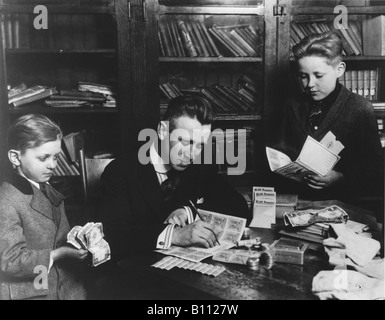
229,230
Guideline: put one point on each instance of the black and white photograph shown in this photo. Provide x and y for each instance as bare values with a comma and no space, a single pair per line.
181,154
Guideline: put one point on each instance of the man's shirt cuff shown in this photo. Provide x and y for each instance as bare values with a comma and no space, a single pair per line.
165,238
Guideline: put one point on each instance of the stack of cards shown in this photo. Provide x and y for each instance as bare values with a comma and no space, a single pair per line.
172,262
264,207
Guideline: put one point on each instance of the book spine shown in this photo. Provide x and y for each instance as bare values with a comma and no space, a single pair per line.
350,41
205,39
46,93
373,85
348,80
212,44
245,45
354,81
178,39
161,47
170,36
224,43
366,92
194,39
361,82
187,39
62,163
232,42
219,108
165,40
200,39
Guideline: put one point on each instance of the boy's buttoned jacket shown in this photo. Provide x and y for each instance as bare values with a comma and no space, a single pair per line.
28,234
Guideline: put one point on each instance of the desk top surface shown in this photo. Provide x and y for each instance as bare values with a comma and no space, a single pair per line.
281,282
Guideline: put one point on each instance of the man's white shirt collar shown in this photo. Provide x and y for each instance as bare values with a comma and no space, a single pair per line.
158,163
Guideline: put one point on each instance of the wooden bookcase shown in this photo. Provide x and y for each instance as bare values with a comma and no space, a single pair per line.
128,56
123,48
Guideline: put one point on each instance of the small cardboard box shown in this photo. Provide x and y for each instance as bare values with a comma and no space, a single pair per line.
289,251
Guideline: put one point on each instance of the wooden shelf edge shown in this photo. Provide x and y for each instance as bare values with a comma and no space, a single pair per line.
48,110
218,10
358,58
58,8
329,10
212,59
60,51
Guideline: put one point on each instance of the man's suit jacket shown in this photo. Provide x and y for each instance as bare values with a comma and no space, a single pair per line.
133,209
28,234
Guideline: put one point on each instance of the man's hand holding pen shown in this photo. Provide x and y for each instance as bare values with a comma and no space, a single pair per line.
197,233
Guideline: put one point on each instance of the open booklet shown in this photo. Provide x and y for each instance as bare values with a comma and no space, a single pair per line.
315,158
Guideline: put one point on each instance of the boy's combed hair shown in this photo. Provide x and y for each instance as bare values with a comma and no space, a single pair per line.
31,131
326,45
191,106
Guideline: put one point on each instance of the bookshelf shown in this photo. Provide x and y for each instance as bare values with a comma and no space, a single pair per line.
80,45
213,60
363,43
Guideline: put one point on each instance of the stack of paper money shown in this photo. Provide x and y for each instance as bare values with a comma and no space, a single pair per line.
302,218
264,207
90,237
172,262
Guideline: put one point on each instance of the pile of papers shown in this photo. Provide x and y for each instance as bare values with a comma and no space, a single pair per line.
90,237
169,263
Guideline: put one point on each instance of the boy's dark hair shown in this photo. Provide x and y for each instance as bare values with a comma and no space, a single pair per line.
325,45
31,131
192,106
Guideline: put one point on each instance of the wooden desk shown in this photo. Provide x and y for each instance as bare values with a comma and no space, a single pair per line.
282,282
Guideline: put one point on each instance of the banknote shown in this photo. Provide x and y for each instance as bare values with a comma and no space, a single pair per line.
301,218
101,253
94,234
81,236
71,237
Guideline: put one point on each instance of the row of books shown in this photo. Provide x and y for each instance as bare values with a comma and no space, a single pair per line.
21,94
352,41
363,82
87,95
65,167
64,32
191,38
225,100
366,37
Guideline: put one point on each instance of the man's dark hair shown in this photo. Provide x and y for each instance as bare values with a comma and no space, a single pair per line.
192,106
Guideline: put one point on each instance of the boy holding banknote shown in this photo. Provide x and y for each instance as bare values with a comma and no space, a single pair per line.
35,263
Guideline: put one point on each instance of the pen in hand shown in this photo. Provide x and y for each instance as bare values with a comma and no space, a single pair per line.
195,210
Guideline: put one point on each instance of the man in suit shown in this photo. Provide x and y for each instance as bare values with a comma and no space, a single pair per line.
147,206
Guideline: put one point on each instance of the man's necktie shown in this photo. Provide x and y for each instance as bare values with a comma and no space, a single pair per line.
170,184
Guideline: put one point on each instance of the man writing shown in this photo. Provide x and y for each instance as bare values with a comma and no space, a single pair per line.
146,207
